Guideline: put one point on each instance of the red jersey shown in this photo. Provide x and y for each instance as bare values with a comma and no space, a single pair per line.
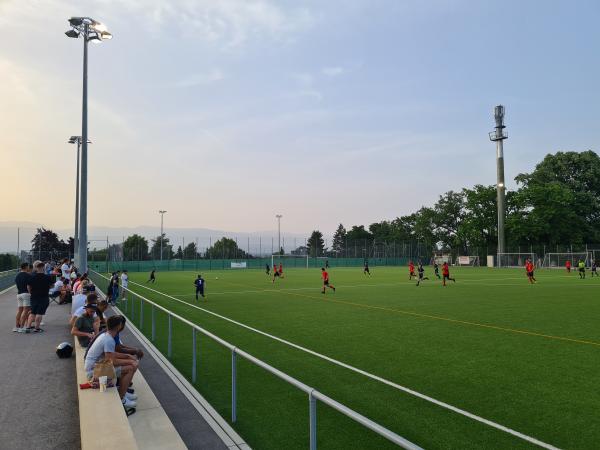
280,268
568,263
325,275
529,267
411,267
445,270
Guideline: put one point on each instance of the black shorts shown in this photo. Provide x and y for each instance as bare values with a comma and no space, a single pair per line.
276,274
530,274
447,277
582,270
420,276
325,282
39,306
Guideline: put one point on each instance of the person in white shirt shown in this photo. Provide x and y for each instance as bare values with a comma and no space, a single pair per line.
65,269
79,299
124,283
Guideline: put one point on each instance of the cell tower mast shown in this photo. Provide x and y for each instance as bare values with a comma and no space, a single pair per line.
498,136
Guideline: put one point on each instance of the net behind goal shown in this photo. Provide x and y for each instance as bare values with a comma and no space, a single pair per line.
290,260
515,259
559,260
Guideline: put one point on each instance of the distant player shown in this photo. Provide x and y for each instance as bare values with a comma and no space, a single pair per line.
581,268
421,271
325,277
280,270
275,272
327,264
529,268
446,274
267,269
594,269
199,283
411,270
366,268
152,277
436,269
568,266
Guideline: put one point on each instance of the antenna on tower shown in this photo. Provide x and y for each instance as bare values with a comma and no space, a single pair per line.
498,136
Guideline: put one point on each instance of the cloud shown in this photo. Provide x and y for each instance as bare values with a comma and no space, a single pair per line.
200,79
332,71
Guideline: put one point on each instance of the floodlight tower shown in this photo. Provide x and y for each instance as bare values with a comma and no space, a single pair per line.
278,216
162,216
91,31
497,136
77,140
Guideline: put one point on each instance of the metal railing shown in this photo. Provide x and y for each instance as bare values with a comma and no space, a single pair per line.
7,278
313,394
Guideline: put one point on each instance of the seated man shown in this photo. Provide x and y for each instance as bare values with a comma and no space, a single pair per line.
104,347
92,299
122,348
57,288
84,326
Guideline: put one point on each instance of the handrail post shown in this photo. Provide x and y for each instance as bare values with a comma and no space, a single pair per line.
169,341
233,386
132,309
193,355
312,408
153,325
142,315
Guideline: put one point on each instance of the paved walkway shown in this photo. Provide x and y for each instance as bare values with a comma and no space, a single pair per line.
38,391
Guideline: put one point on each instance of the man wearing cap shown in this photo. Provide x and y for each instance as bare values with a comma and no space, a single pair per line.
92,299
79,299
84,327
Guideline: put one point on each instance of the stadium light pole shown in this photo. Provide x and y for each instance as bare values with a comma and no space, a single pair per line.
162,215
77,140
498,136
90,30
279,216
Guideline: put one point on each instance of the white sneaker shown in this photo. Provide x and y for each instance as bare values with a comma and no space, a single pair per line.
21,330
131,396
15,329
128,403
42,324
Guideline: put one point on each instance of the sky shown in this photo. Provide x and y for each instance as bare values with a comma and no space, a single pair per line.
225,113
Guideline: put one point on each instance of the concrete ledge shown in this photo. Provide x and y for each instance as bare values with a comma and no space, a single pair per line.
102,420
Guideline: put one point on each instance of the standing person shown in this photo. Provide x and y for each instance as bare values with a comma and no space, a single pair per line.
280,270
199,283
366,268
568,265
327,264
529,268
581,268
23,299
421,271
411,270
275,272
124,283
267,269
66,269
152,277
594,268
446,274
325,277
38,285
436,270
115,287
109,289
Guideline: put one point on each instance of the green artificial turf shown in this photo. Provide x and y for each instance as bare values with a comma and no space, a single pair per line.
524,356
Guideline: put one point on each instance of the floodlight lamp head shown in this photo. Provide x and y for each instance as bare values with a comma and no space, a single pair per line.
499,115
73,139
76,21
72,33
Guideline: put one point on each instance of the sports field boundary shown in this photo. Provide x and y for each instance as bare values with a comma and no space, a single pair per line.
387,382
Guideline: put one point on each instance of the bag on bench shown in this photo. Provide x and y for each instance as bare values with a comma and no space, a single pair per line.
104,368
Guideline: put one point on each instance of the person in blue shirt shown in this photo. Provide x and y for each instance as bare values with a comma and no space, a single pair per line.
199,283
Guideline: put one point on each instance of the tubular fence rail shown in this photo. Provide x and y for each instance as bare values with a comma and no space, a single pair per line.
313,394
7,278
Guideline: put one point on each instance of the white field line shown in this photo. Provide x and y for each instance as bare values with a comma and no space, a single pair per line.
7,289
447,406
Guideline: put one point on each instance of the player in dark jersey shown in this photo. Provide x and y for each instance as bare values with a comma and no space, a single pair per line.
267,269
422,276
152,276
446,274
436,269
366,268
594,269
327,264
325,277
199,283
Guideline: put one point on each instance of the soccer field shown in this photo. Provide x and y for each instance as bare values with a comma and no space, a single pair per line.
523,356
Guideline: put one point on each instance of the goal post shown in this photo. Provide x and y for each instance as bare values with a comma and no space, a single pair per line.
514,259
289,260
468,261
559,260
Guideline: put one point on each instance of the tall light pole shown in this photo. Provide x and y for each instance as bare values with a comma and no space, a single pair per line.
77,140
162,215
498,136
279,216
90,30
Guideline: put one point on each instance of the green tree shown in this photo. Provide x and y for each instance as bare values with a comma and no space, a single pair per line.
167,248
479,226
179,253
339,239
135,248
449,212
190,251
225,248
47,244
316,244
358,233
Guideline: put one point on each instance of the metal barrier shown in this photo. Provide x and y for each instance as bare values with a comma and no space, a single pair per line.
7,278
313,394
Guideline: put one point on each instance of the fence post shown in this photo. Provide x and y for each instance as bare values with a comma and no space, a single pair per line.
153,325
132,309
169,341
193,355
141,315
233,386
312,407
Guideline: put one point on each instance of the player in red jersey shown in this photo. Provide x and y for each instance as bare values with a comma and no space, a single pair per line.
568,265
275,272
446,274
411,270
325,277
280,270
529,268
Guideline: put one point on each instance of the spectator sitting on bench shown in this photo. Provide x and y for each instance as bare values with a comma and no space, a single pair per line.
57,288
104,347
92,299
101,309
84,326
122,348
79,299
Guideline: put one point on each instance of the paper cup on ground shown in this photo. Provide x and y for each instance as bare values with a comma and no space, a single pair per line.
103,381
